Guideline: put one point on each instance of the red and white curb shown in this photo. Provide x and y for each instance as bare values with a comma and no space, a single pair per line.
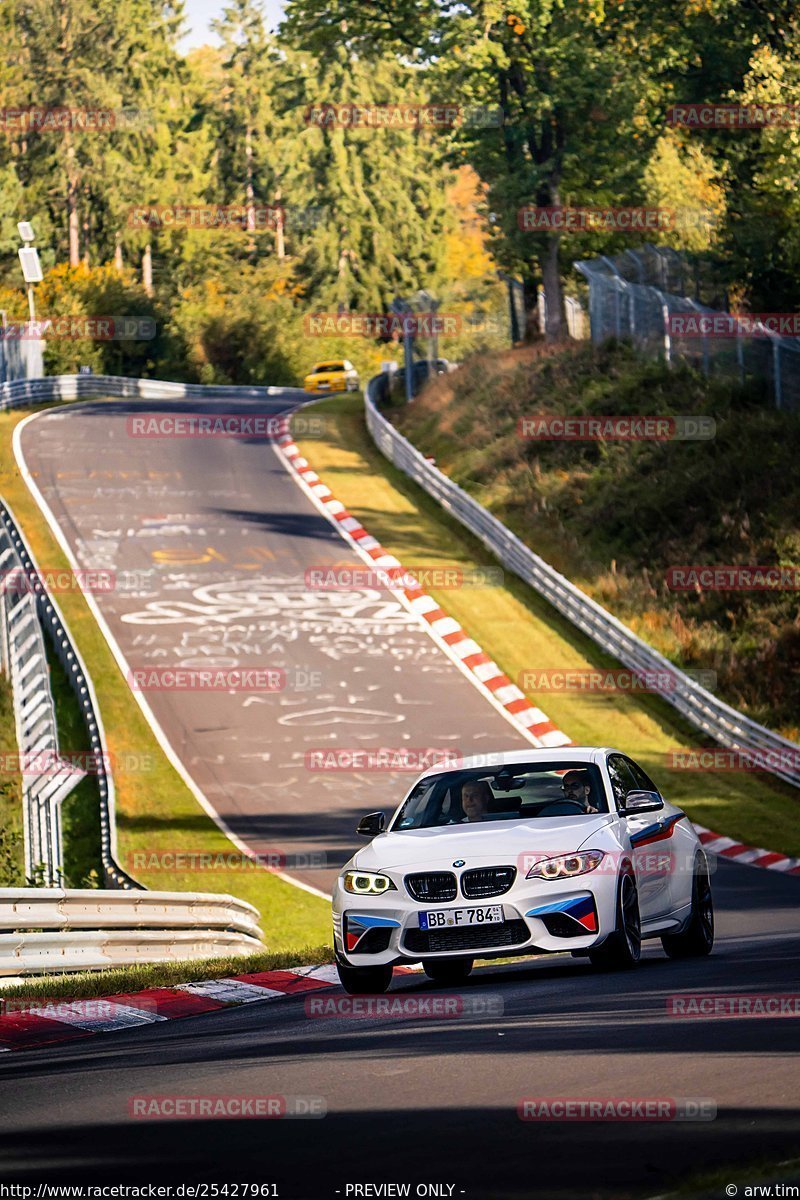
445,630
750,856
41,1024
485,673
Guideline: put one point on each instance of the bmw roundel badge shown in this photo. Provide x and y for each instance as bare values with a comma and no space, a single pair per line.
459,862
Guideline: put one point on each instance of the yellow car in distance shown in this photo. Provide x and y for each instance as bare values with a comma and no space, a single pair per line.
337,375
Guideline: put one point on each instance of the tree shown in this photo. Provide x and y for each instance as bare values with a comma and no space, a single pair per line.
382,190
546,66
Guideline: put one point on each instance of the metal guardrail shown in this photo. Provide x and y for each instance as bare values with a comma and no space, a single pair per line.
37,735
23,392
86,930
703,710
43,953
85,908
47,779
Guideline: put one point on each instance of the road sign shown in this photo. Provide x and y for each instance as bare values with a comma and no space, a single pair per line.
31,267
25,230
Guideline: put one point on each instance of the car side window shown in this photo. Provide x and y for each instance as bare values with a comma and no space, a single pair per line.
622,779
643,781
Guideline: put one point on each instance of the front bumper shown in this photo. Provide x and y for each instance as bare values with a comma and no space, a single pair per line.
328,385
549,918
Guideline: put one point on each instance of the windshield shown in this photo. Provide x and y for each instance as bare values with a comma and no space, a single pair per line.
325,368
521,792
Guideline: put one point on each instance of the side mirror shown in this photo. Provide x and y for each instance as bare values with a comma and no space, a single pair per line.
371,825
641,802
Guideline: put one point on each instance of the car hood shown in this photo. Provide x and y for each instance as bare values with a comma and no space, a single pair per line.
479,845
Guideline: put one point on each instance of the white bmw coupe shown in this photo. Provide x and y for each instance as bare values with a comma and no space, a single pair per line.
523,853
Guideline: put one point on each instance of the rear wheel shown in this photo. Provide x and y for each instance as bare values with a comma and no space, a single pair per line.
697,938
448,970
364,981
623,948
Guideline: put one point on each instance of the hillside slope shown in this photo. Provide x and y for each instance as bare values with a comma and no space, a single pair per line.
616,516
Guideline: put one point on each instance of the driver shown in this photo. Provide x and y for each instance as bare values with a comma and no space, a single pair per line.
475,797
576,785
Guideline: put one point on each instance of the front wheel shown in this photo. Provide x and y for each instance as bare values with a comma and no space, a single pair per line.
364,981
448,970
697,938
623,948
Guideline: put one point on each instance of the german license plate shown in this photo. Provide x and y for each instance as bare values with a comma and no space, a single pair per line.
444,918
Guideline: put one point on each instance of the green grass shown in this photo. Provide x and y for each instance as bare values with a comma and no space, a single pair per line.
80,812
156,812
616,516
710,1185
12,849
521,631
113,982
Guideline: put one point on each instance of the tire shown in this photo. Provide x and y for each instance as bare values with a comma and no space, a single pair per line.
623,948
448,970
364,981
697,939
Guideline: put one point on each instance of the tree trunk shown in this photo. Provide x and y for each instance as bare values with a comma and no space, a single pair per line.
147,270
119,265
280,239
85,228
250,195
70,158
73,189
555,325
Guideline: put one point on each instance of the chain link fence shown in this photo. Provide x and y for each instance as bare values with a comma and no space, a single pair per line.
629,297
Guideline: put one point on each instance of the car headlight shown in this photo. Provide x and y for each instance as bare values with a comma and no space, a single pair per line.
367,883
565,866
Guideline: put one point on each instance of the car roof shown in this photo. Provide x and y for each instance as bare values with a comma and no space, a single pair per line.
330,362
535,754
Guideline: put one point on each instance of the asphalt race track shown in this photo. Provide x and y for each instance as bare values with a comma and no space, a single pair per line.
419,1101
434,1100
210,540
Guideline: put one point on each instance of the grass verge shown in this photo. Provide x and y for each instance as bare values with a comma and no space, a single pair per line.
522,632
156,812
12,849
627,519
120,980
80,812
